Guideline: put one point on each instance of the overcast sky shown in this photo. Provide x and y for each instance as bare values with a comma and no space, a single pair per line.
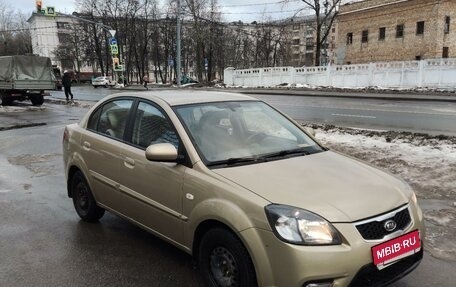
250,11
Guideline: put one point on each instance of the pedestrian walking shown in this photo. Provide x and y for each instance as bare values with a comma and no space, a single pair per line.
145,81
66,83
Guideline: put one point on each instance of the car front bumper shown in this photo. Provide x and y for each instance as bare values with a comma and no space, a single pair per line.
350,264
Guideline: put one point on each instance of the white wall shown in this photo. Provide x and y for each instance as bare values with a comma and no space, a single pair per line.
434,73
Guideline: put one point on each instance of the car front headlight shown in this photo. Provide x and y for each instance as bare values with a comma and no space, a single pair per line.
299,226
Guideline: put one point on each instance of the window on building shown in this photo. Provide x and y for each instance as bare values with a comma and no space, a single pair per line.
445,52
420,28
64,38
349,38
296,41
334,30
418,58
296,27
365,36
309,60
381,33
62,25
400,31
447,25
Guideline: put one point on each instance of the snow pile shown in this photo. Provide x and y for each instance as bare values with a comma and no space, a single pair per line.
427,163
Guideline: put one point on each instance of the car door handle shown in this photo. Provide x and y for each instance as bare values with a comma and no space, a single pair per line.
129,162
86,145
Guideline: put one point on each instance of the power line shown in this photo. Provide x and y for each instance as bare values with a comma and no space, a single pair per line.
260,4
255,35
265,12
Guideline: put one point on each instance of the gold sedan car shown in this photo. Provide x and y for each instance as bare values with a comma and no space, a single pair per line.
244,189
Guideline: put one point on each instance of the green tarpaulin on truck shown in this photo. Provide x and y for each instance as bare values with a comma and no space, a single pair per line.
26,73
28,68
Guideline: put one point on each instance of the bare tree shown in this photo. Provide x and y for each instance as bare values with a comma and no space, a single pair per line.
14,33
325,12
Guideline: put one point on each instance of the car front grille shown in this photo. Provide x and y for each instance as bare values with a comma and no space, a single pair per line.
374,229
370,276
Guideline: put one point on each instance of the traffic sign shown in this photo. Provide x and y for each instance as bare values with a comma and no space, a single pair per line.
50,11
171,62
114,49
112,41
118,68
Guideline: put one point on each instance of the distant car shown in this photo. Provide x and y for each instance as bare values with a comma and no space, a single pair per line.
102,82
244,189
186,80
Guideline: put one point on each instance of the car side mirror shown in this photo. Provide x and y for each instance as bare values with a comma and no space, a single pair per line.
162,152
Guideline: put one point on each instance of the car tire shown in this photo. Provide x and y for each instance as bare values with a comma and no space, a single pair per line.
83,199
224,261
95,86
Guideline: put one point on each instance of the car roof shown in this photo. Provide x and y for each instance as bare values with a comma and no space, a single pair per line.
184,97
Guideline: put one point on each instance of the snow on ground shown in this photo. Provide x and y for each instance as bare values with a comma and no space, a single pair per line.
427,163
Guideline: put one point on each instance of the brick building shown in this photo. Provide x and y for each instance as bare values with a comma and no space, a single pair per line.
396,30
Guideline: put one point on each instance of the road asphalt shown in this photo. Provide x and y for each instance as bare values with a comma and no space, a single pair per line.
424,95
400,95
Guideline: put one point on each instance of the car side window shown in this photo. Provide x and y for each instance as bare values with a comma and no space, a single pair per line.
113,118
152,127
93,120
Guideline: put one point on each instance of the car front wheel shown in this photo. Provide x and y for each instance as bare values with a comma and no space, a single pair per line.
83,199
224,261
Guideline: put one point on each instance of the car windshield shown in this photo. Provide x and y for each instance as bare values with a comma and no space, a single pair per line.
228,133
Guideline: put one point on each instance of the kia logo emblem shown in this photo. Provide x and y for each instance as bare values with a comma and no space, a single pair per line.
390,225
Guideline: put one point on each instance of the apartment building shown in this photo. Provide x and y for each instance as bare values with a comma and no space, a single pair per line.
395,30
48,32
302,34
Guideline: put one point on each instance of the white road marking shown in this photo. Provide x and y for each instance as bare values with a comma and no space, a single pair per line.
354,116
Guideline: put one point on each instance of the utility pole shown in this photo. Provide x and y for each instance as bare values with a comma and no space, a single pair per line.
326,4
178,44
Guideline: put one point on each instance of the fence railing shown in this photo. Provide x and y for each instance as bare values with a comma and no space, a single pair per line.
433,73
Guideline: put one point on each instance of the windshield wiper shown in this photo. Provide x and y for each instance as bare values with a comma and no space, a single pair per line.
283,153
233,160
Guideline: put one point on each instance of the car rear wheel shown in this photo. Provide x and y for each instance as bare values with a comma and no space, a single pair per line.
83,199
224,261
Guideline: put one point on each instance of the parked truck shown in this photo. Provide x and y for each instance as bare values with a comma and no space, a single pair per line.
25,78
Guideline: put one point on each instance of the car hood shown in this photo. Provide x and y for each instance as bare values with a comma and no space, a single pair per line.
336,187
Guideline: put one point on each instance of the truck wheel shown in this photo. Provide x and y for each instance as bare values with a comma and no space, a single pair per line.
37,100
6,101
